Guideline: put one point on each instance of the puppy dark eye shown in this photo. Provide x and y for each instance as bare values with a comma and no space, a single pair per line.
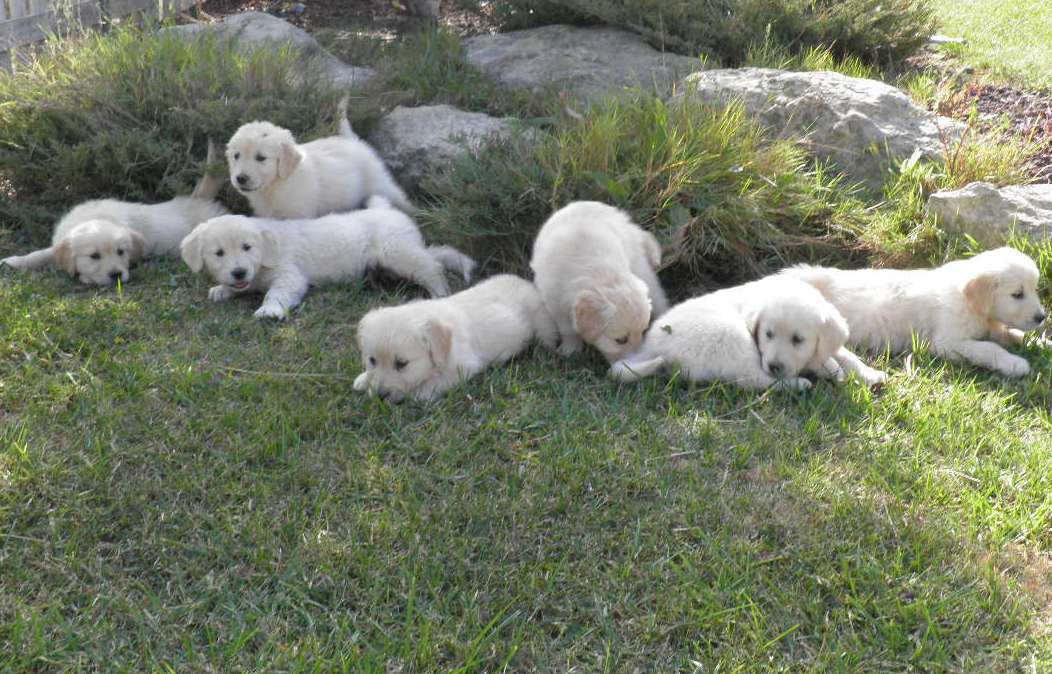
120,251
219,253
1018,294
769,334
400,364
622,340
260,157
95,256
372,361
245,246
237,155
797,340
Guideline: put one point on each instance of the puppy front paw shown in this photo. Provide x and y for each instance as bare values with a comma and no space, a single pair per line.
10,262
873,378
220,293
569,345
275,311
361,382
793,384
1015,367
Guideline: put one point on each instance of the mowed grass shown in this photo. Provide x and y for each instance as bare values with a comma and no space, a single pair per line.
187,489
1009,39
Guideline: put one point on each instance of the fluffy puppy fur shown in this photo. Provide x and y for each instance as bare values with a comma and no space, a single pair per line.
595,270
423,348
967,309
283,179
756,335
282,258
98,241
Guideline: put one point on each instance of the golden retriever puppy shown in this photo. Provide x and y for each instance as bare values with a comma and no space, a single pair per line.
761,334
423,348
283,179
595,270
282,258
98,241
958,307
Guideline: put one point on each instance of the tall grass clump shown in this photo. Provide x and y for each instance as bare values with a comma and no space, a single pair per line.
878,32
727,202
128,115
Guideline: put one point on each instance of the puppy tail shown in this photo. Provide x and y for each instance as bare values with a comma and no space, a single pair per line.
34,260
345,123
633,370
209,185
454,261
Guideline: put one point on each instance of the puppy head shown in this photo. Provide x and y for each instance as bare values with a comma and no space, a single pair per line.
1002,286
613,317
796,331
260,154
232,248
99,252
402,352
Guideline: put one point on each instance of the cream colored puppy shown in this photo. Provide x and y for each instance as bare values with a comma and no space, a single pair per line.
283,179
282,258
760,334
958,307
595,270
423,348
98,241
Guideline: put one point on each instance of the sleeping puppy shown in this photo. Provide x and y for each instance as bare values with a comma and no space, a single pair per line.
595,270
98,241
761,334
423,348
958,307
282,179
284,257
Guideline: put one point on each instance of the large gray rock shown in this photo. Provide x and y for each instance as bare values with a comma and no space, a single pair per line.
417,141
587,63
252,29
862,125
988,213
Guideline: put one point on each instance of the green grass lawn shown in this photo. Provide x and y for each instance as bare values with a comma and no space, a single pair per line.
183,488
1012,39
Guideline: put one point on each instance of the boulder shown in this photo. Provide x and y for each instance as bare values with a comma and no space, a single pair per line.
862,125
588,63
416,141
988,213
252,29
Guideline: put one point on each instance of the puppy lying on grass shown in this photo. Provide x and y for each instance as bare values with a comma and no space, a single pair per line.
423,348
595,270
760,334
98,241
282,258
283,179
958,307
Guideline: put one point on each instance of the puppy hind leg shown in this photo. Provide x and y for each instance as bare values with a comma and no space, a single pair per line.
417,265
453,260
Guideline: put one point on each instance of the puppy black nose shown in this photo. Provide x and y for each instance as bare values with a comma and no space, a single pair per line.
1039,317
238,273
242,179
775,368
114,275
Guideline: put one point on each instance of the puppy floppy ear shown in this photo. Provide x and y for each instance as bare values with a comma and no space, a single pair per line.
190,249
62,254
591,313
751,315
439,338
979,293
138,246
832,334
289,157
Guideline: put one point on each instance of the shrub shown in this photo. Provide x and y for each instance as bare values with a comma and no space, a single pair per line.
728,203
128,115
880,32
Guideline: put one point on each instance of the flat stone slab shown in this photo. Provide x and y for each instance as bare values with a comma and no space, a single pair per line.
417,141
588,63
252,29
860,124
988,213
